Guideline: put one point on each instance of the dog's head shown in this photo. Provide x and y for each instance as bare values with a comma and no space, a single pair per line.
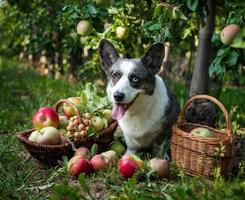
129,77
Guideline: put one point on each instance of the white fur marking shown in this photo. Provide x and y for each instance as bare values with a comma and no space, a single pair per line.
143,120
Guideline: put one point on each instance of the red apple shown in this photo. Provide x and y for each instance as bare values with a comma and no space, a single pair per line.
229,33
49,135
99,162
68,110
78,164
127,166
45,117
160,166
83,151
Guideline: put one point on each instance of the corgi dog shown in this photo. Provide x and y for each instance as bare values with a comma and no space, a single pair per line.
141,103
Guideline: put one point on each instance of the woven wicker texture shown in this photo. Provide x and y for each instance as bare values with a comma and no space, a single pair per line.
198,155
50,154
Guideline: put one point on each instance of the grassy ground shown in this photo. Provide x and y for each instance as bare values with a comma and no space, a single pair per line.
23,91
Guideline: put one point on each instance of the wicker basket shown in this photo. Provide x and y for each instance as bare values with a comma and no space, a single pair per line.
198,155
50,154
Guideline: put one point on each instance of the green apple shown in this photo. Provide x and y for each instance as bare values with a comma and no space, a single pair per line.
97,123
107,115
33,136
122,32
105,123
204,132
118,147
84,27
68,110
102,3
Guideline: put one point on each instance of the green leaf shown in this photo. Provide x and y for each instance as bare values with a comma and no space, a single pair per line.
83,182
192,4
66,191
232,58
181,15
157,11
91,131
94,149
90,9
239,40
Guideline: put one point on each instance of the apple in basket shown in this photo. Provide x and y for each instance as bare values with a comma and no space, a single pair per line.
49,135
68,110
97,123
44,117
33,136
107,115
128,165
161,166
204,132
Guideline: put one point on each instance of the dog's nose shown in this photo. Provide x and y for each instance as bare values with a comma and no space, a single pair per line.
118,96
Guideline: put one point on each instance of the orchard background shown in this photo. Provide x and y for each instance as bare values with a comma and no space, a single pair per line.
45,56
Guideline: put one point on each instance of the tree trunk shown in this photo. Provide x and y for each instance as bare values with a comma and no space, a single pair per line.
200,77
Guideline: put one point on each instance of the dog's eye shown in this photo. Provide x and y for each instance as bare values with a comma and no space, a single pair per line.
135,79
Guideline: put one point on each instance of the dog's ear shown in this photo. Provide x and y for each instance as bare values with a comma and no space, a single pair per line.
108,55
154,57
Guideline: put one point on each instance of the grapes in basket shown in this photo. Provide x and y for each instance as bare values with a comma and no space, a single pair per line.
89,118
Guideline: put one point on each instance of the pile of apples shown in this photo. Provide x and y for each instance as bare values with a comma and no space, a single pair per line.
127,165
53,129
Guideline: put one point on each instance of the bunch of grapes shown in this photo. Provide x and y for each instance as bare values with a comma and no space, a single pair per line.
77,131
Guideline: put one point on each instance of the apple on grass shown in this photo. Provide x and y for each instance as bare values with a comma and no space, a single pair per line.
99,162
83,151
109,155
161,166
44,117
118,147
78,164
68,110
49,135
128,165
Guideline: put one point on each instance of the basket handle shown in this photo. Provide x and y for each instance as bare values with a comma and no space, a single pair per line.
214,100
62,101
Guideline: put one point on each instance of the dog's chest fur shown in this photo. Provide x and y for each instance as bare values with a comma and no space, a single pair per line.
143,120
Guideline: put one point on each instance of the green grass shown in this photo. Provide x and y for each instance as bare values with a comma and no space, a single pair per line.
22,92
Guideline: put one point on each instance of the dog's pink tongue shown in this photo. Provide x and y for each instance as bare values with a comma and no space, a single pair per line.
118,111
